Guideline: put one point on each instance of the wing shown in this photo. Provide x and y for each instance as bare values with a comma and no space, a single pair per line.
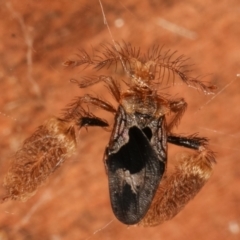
134,173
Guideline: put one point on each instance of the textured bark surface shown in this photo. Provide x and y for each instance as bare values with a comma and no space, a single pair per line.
36,37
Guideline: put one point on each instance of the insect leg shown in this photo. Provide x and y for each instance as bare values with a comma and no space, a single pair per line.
190,175
178,107
74,111
40,155
91,121
111,84
88,99
192,141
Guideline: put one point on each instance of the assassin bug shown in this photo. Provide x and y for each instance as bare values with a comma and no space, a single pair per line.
136,155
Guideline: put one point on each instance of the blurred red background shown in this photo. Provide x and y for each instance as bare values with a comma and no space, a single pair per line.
36,37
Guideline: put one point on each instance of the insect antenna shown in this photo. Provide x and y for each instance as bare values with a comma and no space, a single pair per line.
176,67
154,53
86,81
83,58
116,46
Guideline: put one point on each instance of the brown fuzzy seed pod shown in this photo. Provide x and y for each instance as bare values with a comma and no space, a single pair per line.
41,154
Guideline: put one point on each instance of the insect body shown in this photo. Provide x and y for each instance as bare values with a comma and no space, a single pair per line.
135,161
136,156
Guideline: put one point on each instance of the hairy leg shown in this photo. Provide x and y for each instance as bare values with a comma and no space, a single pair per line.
111,84
74,111
176,190
178,107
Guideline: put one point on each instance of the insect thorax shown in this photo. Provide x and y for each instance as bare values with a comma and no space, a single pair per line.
145,108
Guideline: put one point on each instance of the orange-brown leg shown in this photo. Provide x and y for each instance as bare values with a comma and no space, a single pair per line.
74,110
178,107
111,84
40,155
88,99
176,190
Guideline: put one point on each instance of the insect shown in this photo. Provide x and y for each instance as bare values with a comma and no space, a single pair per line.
135,158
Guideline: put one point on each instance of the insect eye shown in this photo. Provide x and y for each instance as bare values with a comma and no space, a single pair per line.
147,131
